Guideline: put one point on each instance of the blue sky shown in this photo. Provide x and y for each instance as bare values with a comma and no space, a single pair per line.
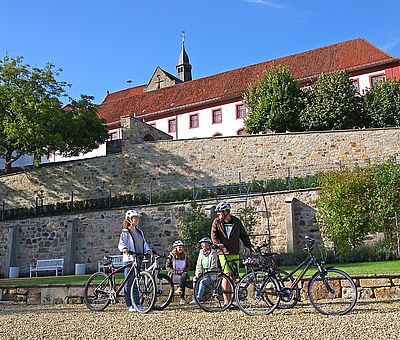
101,44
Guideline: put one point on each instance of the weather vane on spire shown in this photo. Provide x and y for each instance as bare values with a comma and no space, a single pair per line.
183,37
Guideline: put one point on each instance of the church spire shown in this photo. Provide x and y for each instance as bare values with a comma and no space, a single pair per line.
184,69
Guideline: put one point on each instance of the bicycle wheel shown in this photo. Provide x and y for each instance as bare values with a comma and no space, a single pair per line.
96,295
143,292
165,291
289,297
257,293
214,291
332,292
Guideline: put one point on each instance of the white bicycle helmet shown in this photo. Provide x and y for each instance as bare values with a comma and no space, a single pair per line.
223,206
132,213
205,239
178,243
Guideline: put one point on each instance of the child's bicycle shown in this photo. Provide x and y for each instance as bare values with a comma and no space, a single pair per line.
101,288
164,284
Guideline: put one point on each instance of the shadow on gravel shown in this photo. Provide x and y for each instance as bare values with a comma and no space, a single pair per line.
38,309
364,306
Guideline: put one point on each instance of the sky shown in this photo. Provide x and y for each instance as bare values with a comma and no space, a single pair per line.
101,44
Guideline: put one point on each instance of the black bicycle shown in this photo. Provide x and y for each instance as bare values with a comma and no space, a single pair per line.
101,289
266,261
215,289
331,291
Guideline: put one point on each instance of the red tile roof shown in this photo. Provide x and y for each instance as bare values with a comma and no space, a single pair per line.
350,55
124,93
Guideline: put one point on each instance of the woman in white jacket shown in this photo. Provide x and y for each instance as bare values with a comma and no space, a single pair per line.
131,241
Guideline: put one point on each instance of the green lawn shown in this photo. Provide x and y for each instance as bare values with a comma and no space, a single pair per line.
385,267
361,268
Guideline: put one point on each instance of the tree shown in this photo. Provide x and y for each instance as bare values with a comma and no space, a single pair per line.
331,104
274,103
382,104
356,202
32,118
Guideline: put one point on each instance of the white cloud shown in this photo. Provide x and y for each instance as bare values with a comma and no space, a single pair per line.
268,3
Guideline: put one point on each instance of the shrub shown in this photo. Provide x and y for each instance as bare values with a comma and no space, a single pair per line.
353,203
195,225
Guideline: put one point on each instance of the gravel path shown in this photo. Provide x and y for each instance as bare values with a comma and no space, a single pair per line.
369,320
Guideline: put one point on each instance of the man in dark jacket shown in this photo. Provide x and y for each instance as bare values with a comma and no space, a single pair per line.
226,231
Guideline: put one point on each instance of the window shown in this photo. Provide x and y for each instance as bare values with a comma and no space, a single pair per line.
356,86
241,132
375,79
113,136
240,111
218,134
216,116
194,121
172,125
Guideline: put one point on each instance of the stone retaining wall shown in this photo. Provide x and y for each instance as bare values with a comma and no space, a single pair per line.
183,163
87,237
370,287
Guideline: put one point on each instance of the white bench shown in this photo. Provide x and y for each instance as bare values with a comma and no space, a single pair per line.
116,259
47,265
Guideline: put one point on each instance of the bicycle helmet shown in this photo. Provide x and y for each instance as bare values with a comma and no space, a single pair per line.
178,243
132,213
223,206
205,239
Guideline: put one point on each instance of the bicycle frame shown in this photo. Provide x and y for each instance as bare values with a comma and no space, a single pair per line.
154,268
307,263
114,271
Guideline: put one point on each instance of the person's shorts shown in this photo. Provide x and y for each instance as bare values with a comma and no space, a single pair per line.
225,266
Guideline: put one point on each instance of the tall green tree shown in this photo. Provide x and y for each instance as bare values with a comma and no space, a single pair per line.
32,118
382,104
331,104
274,102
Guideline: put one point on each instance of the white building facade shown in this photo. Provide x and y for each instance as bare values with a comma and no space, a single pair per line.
213,106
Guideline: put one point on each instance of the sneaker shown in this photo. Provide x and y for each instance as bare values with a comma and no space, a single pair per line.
193,302
178,291
130,309
182,301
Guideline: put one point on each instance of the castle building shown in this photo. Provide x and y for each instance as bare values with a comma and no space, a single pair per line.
182,107
213,106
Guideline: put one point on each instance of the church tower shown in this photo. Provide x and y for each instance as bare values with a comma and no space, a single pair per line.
184,69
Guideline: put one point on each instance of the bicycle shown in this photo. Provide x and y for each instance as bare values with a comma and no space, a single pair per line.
331,291
101,288
210,284
164,284
265,261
